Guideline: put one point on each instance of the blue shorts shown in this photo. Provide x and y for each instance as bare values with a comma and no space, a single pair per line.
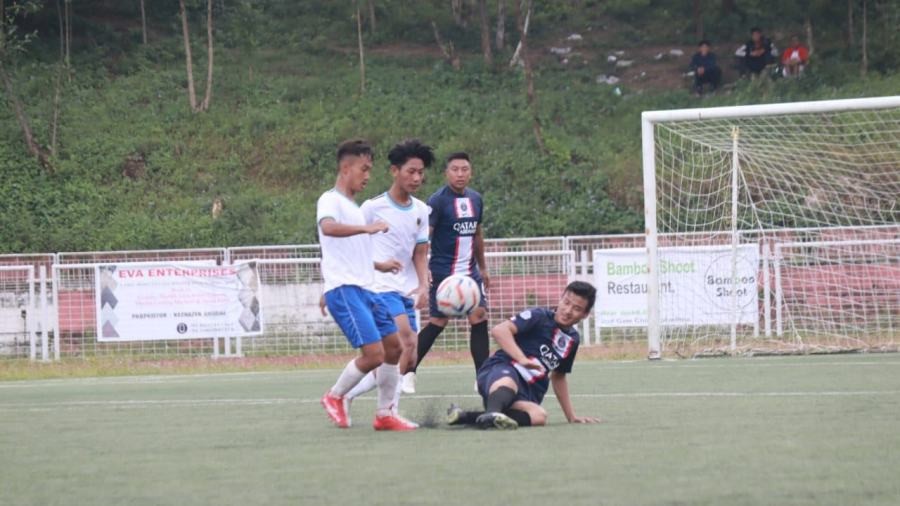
436,282
495,369
398,304
360,314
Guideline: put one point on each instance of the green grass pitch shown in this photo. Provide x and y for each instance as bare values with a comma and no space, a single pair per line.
800,430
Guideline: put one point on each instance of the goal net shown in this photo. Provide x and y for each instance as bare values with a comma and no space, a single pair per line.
773,228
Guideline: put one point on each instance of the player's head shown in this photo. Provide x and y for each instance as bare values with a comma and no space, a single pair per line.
458,171
354,159
756,33
409,159
576,303
703,46
795,40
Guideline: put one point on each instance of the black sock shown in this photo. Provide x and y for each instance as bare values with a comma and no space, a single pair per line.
426,340
479,346
521,417
500,399
469,417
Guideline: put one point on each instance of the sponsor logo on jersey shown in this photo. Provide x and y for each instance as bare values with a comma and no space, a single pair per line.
550,360
525,315
465,227
562,343
463,206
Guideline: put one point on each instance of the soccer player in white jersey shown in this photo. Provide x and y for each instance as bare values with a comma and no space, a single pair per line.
401,254
347,261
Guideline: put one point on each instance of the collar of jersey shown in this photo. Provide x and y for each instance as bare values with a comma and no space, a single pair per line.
397,204
335,190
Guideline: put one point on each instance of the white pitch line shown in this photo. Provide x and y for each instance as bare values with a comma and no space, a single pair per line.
196,403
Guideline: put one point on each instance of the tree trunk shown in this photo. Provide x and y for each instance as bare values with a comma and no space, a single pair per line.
530,92
362,56
864,68
485,33
34,149
459,17
372,16
57,89
500,40
810,43
204,106
698,19
192,95
68,14
447,50
851,39
143,23
523,31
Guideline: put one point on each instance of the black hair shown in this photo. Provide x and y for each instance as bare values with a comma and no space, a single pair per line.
354,147
756,29
584,290
704,42
458,155
402,152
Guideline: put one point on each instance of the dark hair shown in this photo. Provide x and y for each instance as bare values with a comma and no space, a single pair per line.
354,147
756,29
584,290
704,42
402,152
459,155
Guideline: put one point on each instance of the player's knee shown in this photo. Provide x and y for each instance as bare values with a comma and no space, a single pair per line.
538,416
504,382
478,315
374,356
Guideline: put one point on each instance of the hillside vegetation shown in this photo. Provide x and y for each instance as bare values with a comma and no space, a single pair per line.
136,168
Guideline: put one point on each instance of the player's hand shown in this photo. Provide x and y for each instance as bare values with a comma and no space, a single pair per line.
486,281
585,419
377,226
421,296
393,266
322,305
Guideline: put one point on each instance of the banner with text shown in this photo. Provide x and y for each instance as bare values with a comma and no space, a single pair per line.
696,286
184,300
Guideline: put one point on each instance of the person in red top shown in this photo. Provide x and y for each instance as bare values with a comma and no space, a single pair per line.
794,58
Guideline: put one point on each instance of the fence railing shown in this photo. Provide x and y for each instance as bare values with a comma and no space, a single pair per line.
48,311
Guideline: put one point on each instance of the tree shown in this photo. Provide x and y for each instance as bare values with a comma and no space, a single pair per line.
11,43
530,93
143,23
500,40
698,19
485,33
192,95
864,67
372,16
362,55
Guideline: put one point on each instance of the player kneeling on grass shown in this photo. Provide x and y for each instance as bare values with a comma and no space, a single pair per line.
533,343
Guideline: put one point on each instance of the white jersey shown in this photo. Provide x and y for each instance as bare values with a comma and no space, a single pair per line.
408,227
345,260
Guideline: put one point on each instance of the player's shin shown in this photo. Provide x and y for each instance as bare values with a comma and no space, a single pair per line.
426,340
367,384
350,376
521,417
479,344
500,399
387,379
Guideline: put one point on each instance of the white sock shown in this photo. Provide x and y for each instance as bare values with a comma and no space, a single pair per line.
395,403
387,378
350,376
367,384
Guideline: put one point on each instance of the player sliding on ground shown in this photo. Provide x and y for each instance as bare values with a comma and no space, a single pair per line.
347,257
401,253
533,343
457,247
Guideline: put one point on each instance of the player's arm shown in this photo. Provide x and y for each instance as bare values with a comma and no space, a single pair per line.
420,262
505,335
478,248
561,389
332,228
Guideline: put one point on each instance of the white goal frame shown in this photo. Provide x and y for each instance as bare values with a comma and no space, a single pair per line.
649,119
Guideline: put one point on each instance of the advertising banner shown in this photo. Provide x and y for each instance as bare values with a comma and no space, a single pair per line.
183,300
696,286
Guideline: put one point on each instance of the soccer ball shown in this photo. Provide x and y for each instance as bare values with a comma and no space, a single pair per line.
458,295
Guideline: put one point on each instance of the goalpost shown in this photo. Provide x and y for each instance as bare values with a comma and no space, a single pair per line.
773,228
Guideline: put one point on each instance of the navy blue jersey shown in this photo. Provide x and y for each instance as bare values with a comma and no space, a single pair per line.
541,338
454,218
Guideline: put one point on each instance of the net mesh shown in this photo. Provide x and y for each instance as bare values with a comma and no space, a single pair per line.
818,194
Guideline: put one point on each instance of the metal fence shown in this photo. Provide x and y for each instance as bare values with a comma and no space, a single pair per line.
47,305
